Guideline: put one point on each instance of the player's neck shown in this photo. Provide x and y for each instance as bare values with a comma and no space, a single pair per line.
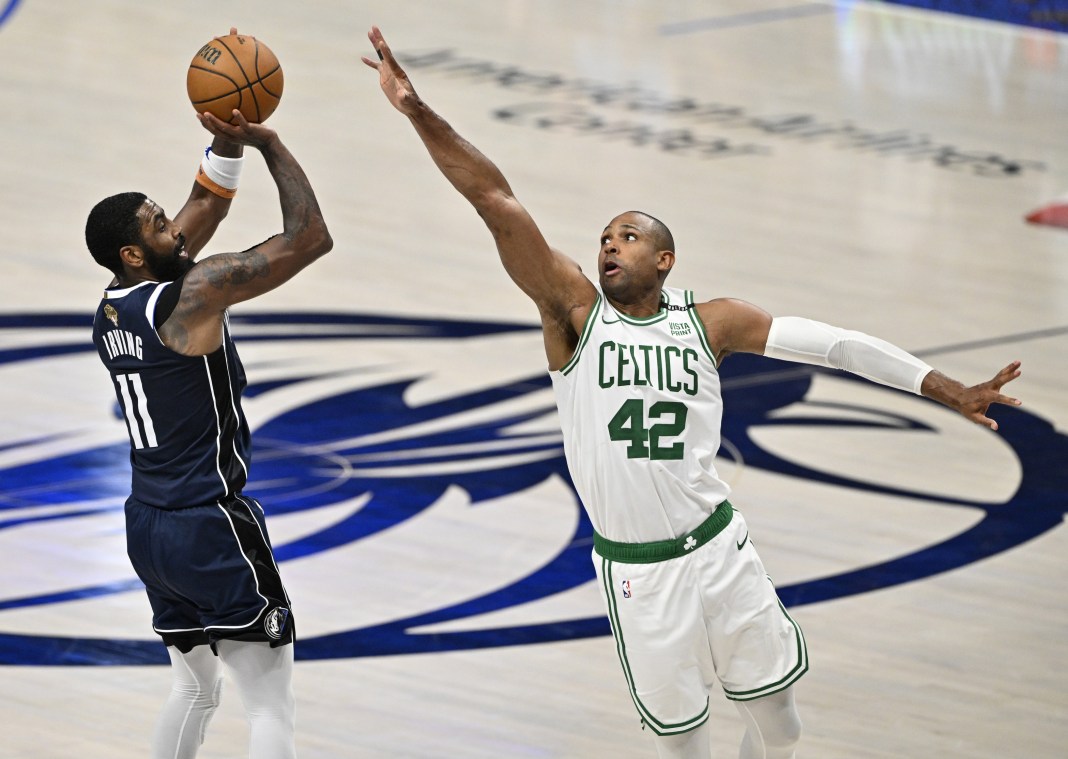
649,304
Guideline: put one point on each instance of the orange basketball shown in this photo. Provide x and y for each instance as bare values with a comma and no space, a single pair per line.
235,71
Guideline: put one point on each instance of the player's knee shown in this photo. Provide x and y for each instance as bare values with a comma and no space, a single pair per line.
203,694
279,705
787,731
791,736
774,726
276,708
215,694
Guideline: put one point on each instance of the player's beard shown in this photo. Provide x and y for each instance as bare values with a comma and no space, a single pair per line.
621,288
171,265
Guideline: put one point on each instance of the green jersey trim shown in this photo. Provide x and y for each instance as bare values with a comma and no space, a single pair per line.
691,309
787,680
641,321
587,330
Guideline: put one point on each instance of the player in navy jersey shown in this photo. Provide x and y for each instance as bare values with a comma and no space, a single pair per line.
196,540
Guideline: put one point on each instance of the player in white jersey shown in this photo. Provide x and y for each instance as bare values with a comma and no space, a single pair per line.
649,386
635,369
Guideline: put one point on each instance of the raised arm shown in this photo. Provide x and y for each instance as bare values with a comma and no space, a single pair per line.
219,281
737,327
204,210
553,281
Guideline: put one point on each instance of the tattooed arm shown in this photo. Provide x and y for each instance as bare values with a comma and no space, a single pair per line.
212,285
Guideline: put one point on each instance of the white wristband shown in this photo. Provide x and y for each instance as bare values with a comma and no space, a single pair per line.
223,171
793,338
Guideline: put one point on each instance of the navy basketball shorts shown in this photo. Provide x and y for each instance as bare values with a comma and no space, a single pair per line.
209,572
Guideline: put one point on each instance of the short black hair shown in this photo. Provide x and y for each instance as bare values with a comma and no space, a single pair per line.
112,225
661,234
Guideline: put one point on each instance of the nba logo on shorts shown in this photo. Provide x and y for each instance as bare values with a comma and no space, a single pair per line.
626,588
275,623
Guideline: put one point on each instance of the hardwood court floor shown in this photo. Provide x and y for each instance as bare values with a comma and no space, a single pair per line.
856,163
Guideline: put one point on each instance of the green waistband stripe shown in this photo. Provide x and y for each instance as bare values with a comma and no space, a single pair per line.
662,550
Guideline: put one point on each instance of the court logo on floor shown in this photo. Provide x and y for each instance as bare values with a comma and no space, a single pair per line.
369,429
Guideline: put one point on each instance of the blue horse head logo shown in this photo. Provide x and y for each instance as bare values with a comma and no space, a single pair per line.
347,452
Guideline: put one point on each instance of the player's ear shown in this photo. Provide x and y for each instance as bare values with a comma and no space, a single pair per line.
132,256
665,259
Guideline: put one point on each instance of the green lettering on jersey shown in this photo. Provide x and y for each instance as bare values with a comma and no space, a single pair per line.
644,441
603,381
664,367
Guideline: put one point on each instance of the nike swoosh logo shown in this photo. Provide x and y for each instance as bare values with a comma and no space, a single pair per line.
610,322
740,545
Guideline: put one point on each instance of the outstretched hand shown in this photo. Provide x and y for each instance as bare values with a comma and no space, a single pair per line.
391,76
973,402
241,130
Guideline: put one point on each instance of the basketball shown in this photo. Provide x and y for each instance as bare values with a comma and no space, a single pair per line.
235,71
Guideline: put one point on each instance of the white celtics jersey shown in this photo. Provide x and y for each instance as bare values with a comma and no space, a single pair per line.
640,407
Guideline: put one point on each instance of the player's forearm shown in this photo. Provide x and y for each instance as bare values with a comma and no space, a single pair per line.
945,390
205,208
792,338
302,220
474,175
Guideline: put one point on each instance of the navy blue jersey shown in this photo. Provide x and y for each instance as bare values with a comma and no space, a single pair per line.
189,441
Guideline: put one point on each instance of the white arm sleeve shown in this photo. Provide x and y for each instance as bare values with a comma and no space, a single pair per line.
793,338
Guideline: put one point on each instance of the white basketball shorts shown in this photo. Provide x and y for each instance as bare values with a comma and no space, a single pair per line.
690,611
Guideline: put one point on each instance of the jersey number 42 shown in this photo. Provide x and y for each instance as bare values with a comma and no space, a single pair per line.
631,425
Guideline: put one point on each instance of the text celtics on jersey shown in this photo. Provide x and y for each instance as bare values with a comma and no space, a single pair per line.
668,368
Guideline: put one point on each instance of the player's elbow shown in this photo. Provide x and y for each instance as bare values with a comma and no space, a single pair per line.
491,199
313,239
325,245
321,242
497,208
